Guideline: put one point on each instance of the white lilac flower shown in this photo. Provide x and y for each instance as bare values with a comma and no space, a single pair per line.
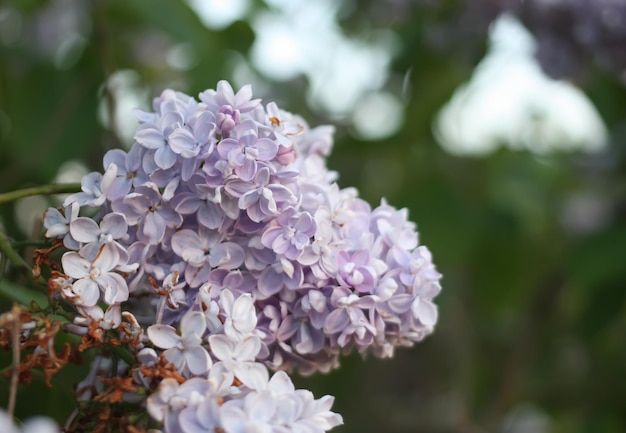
95,187
171,398
109,319
93,236
240,315
198,406
284,124
95,276
173,290
204,417
185,351
203,251
58,224
237,359
253,414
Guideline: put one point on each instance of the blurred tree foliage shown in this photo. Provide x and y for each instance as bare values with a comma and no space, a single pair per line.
533,312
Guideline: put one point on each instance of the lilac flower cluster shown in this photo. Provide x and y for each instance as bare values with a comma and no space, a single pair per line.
222,236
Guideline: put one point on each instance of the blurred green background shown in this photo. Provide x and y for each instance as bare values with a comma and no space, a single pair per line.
529,230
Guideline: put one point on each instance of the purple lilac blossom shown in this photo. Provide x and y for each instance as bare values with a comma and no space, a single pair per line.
223,239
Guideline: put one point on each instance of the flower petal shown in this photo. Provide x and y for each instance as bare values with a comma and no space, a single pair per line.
163,336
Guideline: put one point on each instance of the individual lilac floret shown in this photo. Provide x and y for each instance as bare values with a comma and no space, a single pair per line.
226,97
244,149
203,251
146,208
236,359
58,224
290,233
112,228
172,399
94,276
355,272
196,137
129,173
95,187
262,198
239,315
155,136
185,351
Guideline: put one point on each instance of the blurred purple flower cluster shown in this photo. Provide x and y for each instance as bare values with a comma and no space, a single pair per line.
223,240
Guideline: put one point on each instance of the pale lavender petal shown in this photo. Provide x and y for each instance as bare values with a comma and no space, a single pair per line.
244,314
150,137
176,357
221,347
114,224
336,321
182,142
247,169
247,348
227,255
425,311
153,227
185,239
255,376
270,282
74,265
198,360
163,336
210,215
188,205
116,290
401,303
238,188
171,218
267,149
164,157
107,258
88,291
193,322
248,199
84,229
287,328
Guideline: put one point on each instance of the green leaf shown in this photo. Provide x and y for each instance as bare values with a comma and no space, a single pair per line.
21,294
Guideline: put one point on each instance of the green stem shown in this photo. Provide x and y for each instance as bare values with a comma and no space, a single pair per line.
7,250
53,188
30,243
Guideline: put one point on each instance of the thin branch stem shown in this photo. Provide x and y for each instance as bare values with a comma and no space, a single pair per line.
7,250
53,188
39,243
